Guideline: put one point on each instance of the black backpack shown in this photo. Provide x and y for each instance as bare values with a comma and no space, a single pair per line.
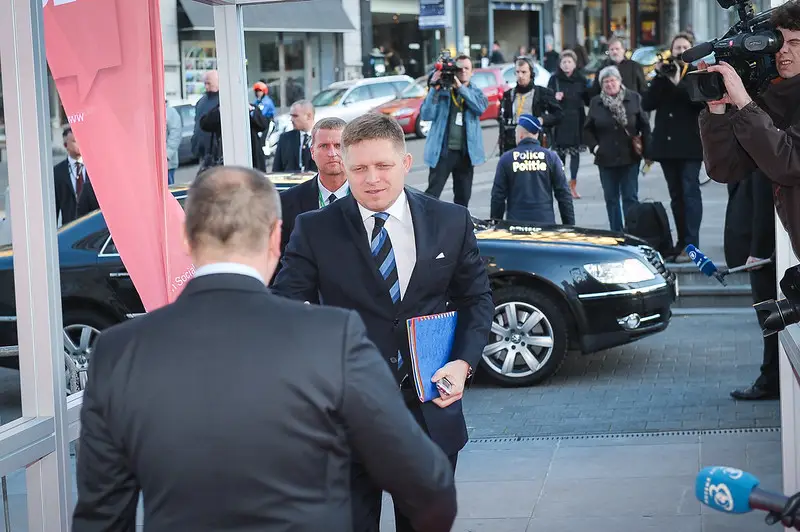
649,222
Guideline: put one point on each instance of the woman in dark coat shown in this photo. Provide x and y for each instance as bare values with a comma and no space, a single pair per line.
614,126
676,143
212,124
572,93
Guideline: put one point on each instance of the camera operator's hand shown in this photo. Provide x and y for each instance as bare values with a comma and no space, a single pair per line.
736,93
457,83
434,82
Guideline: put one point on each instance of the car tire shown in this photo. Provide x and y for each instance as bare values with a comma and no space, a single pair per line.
511,349
420,129
82,326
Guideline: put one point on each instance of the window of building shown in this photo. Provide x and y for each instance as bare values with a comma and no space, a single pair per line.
593,26
618,20
294,49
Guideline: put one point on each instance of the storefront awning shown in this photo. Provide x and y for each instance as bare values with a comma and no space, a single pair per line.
314,16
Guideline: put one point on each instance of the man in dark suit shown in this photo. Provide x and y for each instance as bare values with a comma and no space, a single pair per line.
293,152
73,191
750,237
393,254
254,434
330,183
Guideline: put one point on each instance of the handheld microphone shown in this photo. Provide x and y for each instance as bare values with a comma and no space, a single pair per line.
734,491
698,52
705,265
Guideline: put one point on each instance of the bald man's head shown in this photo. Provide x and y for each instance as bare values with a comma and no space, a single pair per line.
302,115
212,81
233,214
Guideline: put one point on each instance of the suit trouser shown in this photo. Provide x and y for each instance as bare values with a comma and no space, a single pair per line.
763,284
367,498
460,165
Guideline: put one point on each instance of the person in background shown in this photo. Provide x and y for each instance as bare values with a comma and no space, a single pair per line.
572,94
526,98
551,58
582,55
750,237
263,101
676,143
174,135
631,71
74,194
274,451
293,152
497,55
202,142
211,122
614,123
527,179
455,141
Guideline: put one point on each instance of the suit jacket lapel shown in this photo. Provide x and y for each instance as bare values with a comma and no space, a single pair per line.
424,225
360,239
310,199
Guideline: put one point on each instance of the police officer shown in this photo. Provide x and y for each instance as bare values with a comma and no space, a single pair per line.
528,177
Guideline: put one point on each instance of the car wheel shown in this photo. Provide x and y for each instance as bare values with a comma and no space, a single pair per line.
528,339
81,329
422,128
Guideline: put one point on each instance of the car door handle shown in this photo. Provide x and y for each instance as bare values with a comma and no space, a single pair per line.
119,274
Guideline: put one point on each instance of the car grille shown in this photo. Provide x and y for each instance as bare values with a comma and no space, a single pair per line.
654,258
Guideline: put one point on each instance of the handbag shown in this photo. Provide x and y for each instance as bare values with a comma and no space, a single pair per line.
636,143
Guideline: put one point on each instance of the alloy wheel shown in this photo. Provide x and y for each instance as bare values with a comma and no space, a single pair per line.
521,340
78,346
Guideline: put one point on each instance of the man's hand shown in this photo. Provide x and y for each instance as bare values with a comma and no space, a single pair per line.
457,83
751,260
434,82
456,372
736,93
559,96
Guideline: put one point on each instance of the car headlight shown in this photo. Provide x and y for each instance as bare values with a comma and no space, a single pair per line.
622,272
403,112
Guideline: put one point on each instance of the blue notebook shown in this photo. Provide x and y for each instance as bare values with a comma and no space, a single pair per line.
430,340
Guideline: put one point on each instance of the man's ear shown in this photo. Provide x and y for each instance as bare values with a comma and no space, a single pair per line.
407,160
275,239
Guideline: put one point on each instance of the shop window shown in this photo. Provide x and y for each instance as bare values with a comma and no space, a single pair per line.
618,21
593,26
294,48
269,52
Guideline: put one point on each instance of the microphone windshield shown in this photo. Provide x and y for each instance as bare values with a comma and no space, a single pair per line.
698,52
701,261
726,489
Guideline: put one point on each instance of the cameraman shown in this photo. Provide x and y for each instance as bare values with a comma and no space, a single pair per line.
455,141
676,142
764,132
526,99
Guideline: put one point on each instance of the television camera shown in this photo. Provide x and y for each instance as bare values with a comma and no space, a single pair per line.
749,46
783,312
449,68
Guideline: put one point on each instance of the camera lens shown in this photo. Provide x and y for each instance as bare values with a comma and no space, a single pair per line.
777,315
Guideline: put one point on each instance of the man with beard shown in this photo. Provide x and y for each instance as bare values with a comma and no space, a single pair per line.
526,98
330,183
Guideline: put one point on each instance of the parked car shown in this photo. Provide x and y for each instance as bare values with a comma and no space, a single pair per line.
406,108
186,111
555,289
350,99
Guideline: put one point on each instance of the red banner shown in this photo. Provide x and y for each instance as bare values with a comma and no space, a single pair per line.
107,62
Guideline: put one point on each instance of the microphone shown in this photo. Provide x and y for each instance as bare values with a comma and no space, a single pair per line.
704,264
734,491
698,52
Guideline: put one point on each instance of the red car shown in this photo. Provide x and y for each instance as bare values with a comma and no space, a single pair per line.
406,107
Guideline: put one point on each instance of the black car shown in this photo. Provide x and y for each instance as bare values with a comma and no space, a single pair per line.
555,289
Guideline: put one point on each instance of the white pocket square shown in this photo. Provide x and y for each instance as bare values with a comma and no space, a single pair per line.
440,256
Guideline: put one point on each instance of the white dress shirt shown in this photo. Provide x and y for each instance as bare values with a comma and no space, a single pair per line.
341,192
229,267
73,172
401,232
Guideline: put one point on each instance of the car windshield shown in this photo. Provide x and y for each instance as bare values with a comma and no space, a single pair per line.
328,97
415,90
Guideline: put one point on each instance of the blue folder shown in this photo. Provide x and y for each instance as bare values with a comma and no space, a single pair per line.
430,340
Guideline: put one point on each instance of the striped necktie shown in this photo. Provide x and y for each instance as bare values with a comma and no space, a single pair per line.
383,254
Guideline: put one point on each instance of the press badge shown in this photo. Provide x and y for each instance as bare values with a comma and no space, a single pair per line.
459,119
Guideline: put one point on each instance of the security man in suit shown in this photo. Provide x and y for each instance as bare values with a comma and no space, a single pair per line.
293,152
271,447
74,194
528,177
392,254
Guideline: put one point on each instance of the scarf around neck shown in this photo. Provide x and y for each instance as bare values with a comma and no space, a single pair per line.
616,105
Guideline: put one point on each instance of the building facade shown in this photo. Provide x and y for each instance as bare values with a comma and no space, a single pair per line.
296,48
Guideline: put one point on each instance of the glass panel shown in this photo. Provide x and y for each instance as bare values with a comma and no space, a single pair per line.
14,494
483,80
401,86
197,58
649,30
328,97
382,90
359,94
510,76
619,21
294,50
269,69
593,26
414,90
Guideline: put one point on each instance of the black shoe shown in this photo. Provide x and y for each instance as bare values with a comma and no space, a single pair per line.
756,393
